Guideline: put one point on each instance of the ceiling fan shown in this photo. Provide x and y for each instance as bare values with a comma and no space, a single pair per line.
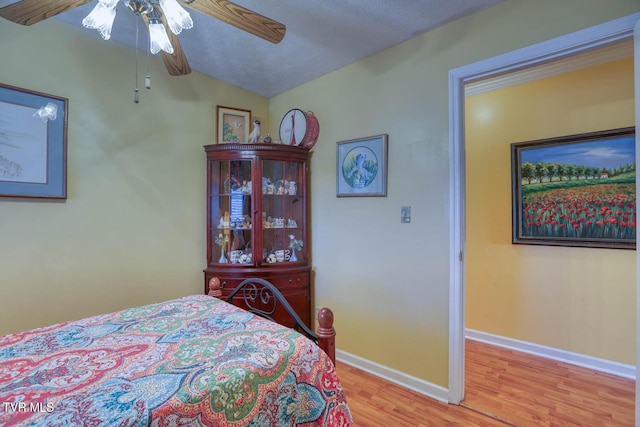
28,12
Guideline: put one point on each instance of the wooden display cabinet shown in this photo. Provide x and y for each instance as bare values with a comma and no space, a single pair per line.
257,220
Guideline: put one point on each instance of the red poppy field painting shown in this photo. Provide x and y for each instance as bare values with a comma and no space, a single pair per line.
577,190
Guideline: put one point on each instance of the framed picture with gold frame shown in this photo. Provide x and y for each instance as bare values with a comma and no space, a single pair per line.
232,124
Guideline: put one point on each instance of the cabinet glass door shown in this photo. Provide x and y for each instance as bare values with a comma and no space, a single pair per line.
231,207
283,212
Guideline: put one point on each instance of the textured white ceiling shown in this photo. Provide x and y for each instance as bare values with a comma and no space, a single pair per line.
321,37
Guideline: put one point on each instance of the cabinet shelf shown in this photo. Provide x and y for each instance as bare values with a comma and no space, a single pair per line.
280,228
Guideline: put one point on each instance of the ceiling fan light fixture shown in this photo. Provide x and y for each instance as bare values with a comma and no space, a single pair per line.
178,18
158,38
139,7
101,18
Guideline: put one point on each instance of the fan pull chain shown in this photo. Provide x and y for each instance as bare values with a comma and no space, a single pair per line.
147,79
136,98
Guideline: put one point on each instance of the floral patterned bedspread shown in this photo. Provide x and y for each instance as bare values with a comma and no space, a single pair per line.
193,361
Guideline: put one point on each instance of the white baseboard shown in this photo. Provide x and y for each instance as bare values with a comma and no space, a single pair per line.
407,381
602,365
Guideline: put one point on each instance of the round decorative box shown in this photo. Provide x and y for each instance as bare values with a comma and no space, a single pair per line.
299,128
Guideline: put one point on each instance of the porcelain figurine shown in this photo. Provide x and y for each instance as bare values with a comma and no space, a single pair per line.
254,136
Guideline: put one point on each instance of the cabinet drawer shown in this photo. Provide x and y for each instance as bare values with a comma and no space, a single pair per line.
295,289
291,282
300,303
227,284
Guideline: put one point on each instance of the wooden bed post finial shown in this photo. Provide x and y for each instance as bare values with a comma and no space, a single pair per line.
215,289
326,333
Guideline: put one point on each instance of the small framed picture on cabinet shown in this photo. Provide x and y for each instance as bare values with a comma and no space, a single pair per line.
232,124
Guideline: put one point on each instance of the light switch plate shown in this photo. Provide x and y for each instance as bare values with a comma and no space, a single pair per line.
405,214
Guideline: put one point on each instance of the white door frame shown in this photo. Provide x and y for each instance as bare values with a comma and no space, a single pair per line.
636,55
560,47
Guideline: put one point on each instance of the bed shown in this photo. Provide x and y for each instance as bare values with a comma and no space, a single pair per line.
191,361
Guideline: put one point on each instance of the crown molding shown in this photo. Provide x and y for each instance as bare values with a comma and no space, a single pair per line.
599,56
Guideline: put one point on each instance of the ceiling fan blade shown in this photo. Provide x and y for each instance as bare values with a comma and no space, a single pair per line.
241,18
176,62
28,12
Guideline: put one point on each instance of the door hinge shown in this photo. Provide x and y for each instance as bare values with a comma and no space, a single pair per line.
460,256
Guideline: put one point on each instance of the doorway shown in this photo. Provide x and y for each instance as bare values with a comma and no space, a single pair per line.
562,47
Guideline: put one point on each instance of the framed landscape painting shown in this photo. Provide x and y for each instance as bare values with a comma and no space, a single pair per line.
577,190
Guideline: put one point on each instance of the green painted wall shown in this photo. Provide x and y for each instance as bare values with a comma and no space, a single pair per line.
132,230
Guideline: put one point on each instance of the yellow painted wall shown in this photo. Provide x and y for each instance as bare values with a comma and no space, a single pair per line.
388,282
581,300
132,230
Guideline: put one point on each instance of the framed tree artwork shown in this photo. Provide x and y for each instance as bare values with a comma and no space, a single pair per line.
232,124
576,190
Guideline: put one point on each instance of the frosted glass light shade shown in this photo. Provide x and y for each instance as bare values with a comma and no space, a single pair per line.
109,3
158,39
101,17
178,19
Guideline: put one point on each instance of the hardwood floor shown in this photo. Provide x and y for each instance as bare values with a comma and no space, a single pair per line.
534,391
503,388
376,402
